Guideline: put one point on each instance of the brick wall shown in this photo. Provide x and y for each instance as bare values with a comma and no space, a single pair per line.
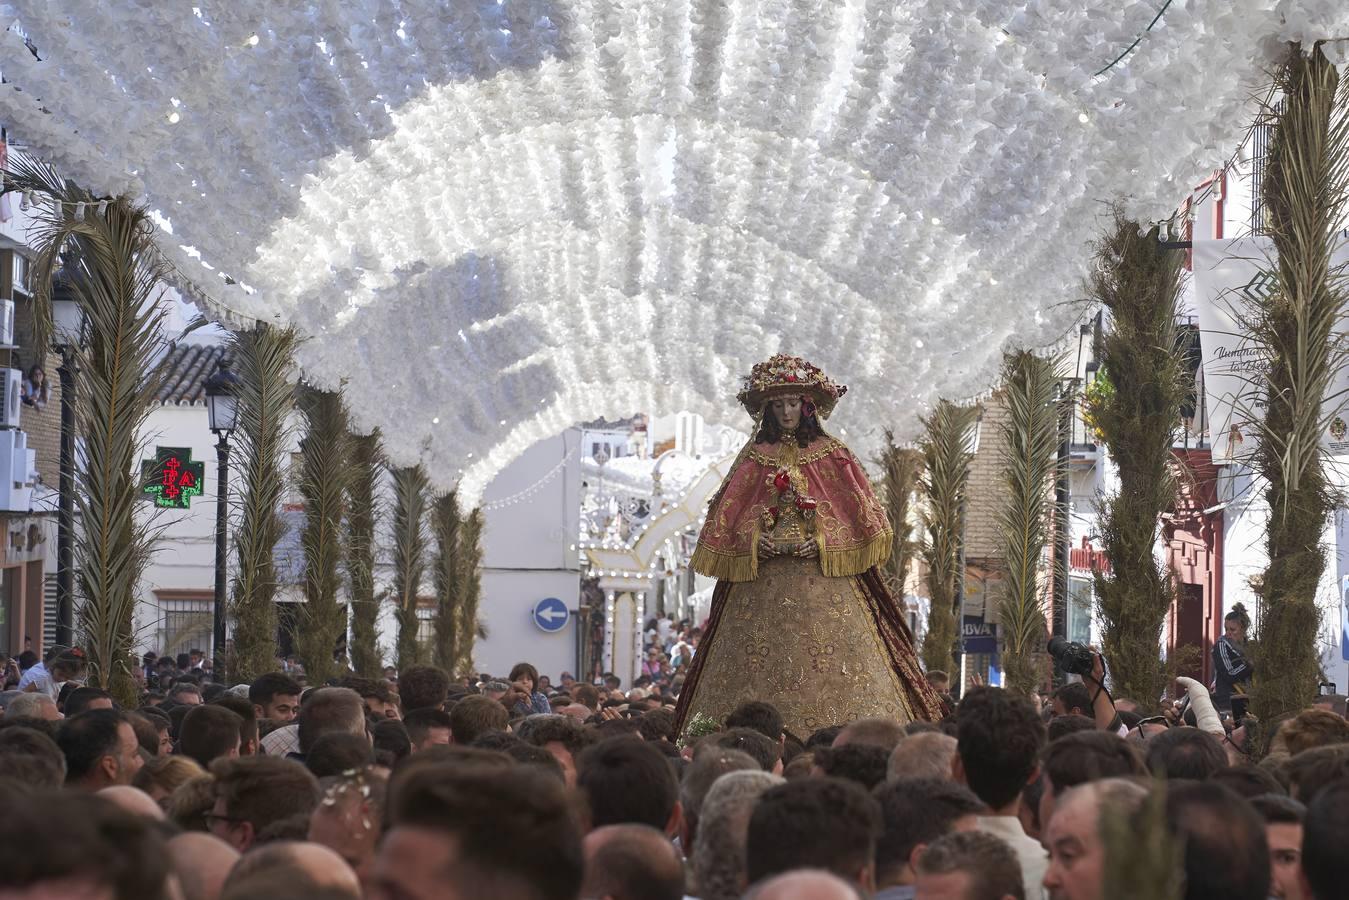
44,427
986,489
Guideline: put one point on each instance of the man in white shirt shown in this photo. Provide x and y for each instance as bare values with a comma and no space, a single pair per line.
999,737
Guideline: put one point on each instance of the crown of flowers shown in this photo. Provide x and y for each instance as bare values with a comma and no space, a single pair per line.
783,374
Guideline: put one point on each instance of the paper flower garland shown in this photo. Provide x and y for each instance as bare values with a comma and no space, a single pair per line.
496,218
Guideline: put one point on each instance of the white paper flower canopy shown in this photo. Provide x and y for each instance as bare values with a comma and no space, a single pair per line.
494,219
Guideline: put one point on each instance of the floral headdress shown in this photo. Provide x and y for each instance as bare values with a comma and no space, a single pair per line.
784,375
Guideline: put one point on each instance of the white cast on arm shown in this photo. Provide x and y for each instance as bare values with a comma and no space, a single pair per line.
1205,716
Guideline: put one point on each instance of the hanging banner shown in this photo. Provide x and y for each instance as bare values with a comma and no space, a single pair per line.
1229,277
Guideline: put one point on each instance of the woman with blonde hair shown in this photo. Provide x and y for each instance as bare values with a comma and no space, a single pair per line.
162,775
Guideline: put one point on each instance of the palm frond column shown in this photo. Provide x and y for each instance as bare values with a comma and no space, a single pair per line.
264,361
1139,284
114,272
323,483
447,623
946,473
1029,468
362,514
1305,197
469,574
410,489
903,466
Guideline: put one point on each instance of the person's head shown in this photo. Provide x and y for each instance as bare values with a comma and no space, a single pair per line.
1062,726
32,758
1249,781
1185,752
1283,817
185,693
162,775
940,681
459,832
391,742
32,705
100,748
337,752
562,736
1074,836
970,865
864,764
1082,757
275,696
422,687
1325,865
757,715
586,695
822,823
209,732
698,779
202,862
253,792
378,699
927,754
627,780
914,813
1314,728
767,752
1226,852
789,414
330,709
526,673
1236,623
37,374
632,862
133,800
70,844
1336,703
1072,699
883,733
427,727
998,741
1312,770
718,848
83,698
474,716
349,818
293,867
68,665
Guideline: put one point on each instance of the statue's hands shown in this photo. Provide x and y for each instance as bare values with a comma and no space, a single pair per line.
808,550
766,547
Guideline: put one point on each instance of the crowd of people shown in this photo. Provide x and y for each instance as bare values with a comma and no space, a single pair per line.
419,785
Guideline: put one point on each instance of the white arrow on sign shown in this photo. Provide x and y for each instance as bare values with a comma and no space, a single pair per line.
552,614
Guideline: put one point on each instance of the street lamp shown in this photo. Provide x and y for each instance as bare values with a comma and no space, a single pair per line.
68,326
222,409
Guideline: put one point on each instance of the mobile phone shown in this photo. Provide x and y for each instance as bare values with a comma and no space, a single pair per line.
1328,687
1239,705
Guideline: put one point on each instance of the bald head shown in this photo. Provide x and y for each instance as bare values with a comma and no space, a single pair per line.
631,862
274,865
806,884
133,800
202,862
576,711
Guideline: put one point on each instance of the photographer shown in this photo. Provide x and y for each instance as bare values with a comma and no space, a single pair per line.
1076,659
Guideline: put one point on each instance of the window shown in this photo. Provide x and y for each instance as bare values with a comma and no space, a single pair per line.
186,620
1080,595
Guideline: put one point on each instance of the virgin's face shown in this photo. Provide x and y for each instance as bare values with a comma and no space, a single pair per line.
787,410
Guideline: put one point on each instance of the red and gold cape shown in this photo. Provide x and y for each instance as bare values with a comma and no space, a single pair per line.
851,528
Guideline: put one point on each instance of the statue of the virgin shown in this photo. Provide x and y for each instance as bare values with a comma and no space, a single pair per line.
800,617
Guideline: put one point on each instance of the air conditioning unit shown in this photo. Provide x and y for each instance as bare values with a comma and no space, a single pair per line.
7,322
12,401
18,471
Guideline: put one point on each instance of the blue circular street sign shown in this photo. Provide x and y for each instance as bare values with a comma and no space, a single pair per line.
551,614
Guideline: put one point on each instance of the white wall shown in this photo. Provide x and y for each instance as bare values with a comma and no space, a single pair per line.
532,514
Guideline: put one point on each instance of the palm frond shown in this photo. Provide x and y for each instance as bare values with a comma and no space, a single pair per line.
323,484
1306,194
447,623
114,273
1030,465
264,361
945,477
1138,283
469,574
362,513
411,487
902,467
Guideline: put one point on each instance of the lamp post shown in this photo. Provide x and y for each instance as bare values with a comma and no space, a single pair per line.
222,409
68,325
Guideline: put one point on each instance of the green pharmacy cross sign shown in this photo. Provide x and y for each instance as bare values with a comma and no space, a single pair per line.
172,479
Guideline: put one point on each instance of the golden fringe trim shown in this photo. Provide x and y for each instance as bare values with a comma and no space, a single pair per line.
841,563
833,563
